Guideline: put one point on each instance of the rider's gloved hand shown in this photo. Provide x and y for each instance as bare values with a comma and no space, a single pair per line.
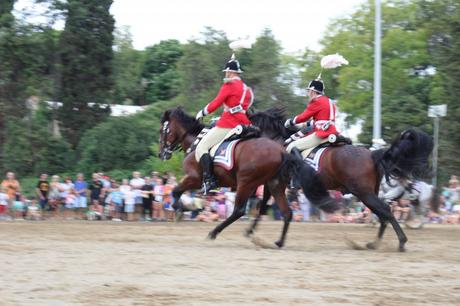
289,123
200,115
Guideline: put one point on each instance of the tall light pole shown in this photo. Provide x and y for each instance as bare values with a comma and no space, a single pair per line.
377,140
436,112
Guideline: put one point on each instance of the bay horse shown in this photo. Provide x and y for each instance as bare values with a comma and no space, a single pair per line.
357,170
257,161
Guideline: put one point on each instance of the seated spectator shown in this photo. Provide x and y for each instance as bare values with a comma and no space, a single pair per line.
401,209
33,210
221,207
208,214
229,202
297,214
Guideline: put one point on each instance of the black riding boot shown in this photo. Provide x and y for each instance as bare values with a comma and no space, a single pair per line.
295,184
296,152
209,181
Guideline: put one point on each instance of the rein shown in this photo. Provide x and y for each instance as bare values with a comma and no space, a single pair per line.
169,147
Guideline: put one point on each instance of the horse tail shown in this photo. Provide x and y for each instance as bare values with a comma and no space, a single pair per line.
294,167
289,167
407,157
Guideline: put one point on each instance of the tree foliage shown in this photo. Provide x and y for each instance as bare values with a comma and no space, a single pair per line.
118,143
86,65
31,147
406,82
441,19
160,71
128,64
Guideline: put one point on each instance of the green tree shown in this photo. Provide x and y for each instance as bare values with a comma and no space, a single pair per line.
27,65
405,62
127,69
118,143
265,71
201,67
31,148
441,21
86,65
160,72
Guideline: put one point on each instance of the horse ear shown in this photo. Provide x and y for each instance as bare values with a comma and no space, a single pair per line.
165,116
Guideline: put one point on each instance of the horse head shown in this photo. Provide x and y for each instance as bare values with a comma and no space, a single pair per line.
168,135
175,126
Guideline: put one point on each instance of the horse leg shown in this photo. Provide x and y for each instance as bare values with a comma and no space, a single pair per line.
263,207
241,199
384,213
375,244
277,188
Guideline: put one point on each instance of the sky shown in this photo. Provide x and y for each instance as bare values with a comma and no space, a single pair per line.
297,24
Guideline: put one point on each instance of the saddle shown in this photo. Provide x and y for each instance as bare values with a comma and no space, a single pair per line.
241,132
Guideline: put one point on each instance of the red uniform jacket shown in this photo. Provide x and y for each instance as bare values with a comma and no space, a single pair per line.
320,110
231,95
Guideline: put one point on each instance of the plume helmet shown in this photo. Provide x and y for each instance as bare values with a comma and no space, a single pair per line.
327,62
316,85
233,64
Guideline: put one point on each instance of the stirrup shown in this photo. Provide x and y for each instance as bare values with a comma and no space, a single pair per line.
207,186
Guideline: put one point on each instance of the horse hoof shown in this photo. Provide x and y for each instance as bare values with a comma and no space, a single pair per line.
279,244
248,233
402,248
371,246
178,216
212,236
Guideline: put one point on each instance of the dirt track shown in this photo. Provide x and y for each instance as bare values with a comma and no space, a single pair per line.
102,263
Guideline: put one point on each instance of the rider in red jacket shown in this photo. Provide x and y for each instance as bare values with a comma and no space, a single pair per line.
236,97
322,111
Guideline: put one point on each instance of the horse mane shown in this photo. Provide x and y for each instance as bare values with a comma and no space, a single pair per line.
407,157
271,122
191,125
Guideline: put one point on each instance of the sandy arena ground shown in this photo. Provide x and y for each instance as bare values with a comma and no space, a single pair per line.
104,263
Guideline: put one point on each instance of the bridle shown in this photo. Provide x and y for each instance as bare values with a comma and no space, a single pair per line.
169,147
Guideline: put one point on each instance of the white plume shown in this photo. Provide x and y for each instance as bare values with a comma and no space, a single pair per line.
332,61
240,44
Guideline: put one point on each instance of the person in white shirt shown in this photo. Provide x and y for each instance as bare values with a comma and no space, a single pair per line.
129,197
137,182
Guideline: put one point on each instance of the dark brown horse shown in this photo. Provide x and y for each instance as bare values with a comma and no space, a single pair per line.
357,170
257,161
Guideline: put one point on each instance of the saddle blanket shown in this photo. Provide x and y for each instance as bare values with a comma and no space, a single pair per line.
314,157
224,154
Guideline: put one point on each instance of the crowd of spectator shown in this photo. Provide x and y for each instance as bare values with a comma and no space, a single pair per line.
149,198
